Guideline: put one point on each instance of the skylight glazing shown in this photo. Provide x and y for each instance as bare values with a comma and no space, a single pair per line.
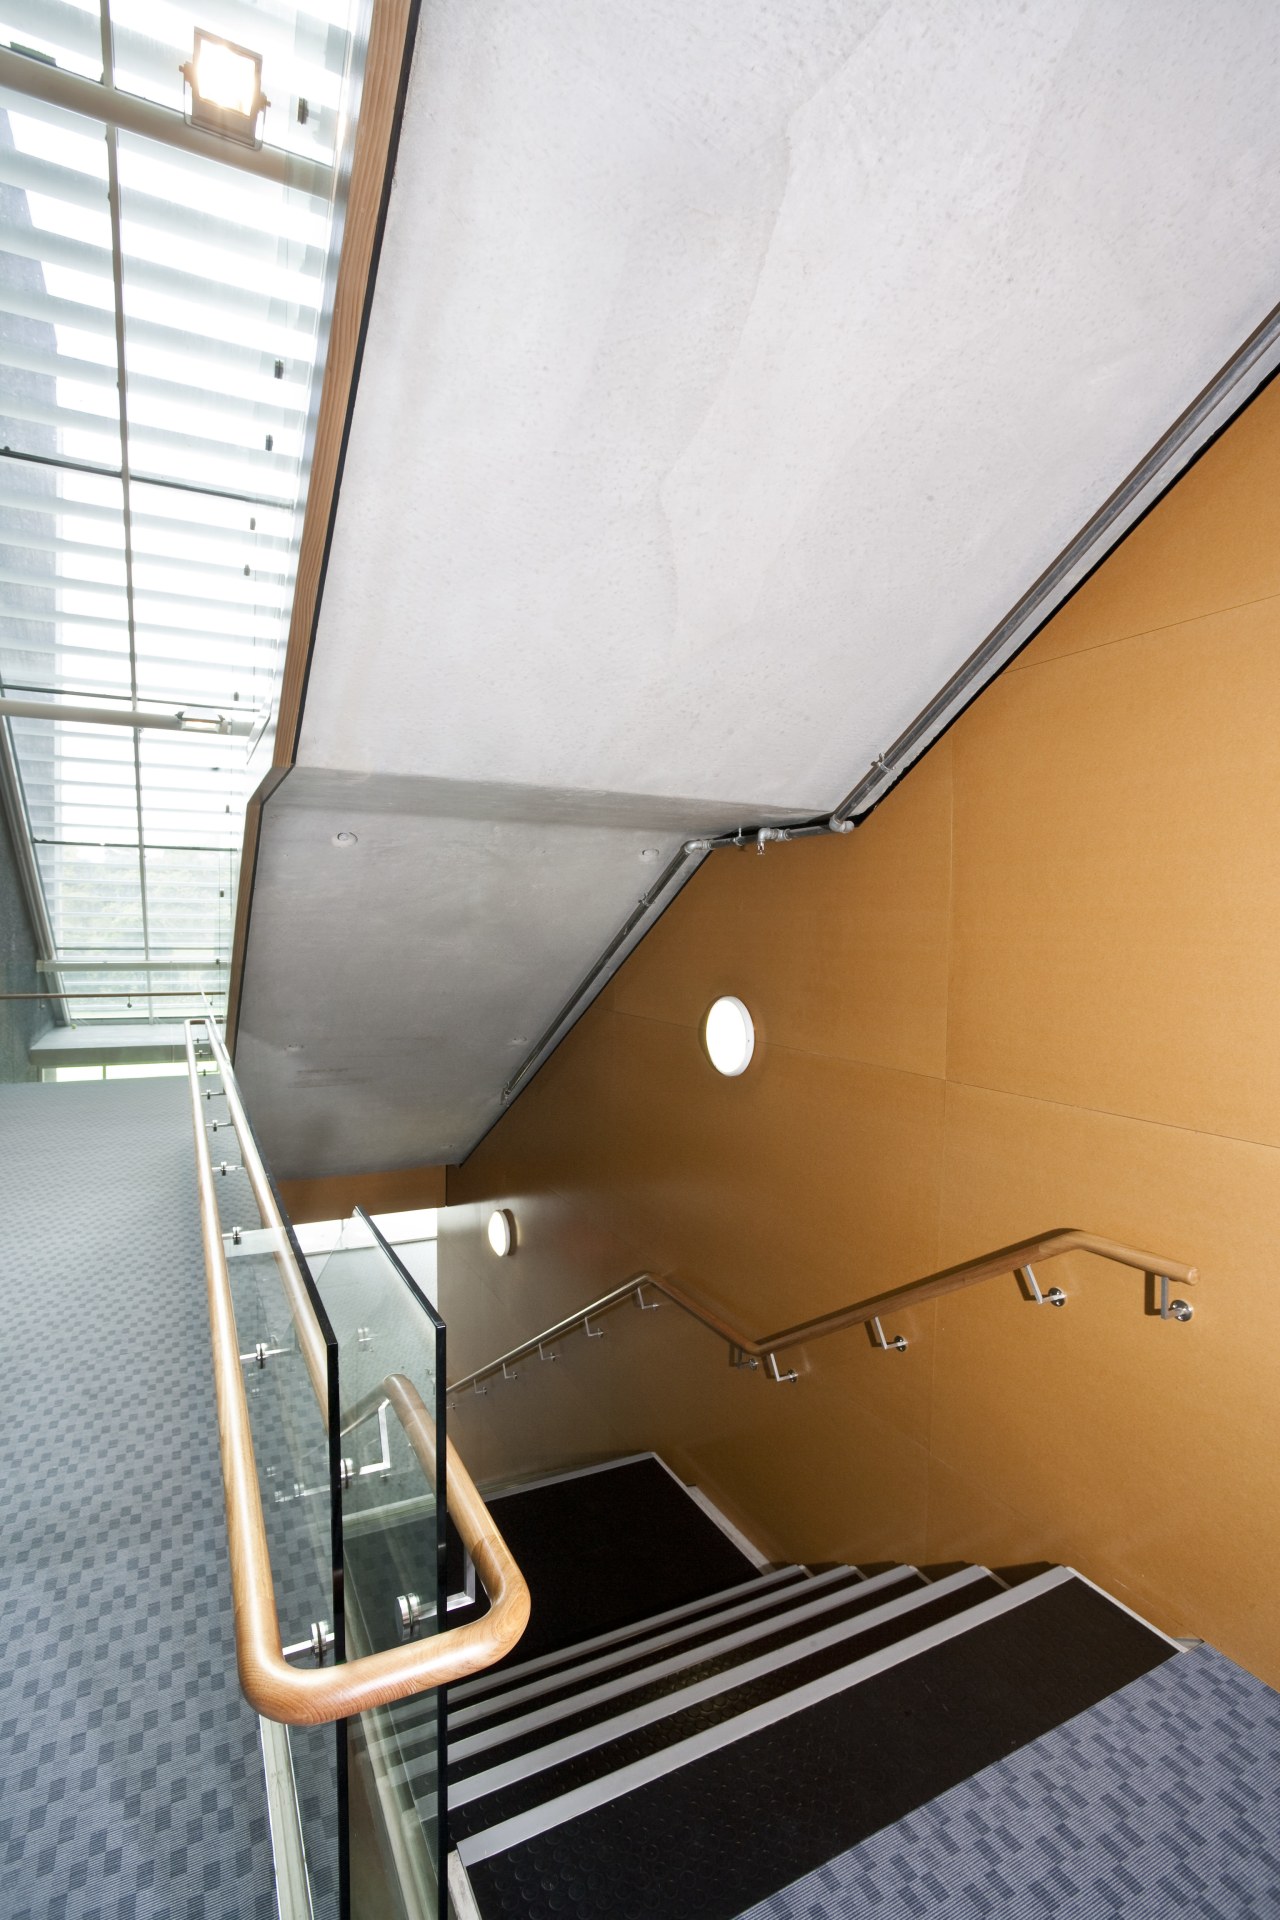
161,325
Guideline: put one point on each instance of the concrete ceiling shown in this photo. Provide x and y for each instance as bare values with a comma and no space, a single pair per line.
732,370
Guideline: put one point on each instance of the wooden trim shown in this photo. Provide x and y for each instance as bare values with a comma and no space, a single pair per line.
312,1696
386,52
987,1266
375,130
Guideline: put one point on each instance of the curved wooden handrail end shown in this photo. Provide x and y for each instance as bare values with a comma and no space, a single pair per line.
311,1696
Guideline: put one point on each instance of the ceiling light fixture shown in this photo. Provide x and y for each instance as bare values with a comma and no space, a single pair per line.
729,1036
225,83
501,1231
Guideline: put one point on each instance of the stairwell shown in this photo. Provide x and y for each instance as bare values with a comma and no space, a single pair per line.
798,1741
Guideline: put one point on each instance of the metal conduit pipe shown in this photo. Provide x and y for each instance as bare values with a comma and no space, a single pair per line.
756,837
180,722
1247,371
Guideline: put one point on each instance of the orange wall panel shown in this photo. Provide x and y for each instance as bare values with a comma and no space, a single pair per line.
335,1195
1037,988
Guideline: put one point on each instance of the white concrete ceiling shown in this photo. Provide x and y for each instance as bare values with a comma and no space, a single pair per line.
733,368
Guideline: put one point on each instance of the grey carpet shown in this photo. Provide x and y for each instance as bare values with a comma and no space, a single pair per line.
130,1777
1160,1803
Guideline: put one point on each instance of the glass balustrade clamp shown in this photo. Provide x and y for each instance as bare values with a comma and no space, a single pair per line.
317,1645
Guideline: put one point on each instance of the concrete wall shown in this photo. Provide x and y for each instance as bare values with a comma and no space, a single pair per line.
1038,988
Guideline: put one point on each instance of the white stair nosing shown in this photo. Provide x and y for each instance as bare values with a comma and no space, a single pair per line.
1179,1646
407,1714
612,1786
747,1548
514,1675
419,1725
839,1577
570,1473
462,1899
506,1773
624,1683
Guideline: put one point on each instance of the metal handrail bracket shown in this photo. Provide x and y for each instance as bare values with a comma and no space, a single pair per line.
751,1354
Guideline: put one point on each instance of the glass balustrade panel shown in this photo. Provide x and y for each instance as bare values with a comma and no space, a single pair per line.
391,1371
293,1453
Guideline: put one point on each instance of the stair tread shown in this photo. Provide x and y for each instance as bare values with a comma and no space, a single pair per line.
588,1546
780,1579
731,1820
610,1694
490,1797
635,1656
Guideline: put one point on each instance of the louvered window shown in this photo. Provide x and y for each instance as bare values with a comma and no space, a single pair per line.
161,325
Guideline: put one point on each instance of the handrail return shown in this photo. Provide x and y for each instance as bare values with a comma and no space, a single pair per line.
274,1688
747,1351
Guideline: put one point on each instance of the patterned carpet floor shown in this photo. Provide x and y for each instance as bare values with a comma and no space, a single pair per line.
130,1776
1160,1803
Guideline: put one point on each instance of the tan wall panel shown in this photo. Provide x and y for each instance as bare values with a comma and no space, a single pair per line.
1136,1443
1117,879
336,1195
1038,988
1211,543
705,1171
840,944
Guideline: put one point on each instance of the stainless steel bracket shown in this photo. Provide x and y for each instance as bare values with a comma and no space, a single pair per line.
745,1362
383,1463
1055,1296
261,1354
783,1379
1181,1310
592,1333
646,1306
896,1345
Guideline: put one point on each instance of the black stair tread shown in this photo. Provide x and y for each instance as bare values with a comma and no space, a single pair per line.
543,1784
782,1634
604,1549
515,1673
554,1688
732,1827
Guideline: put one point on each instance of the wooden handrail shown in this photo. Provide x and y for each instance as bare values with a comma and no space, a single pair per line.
311,1340
311,1696
1045,1246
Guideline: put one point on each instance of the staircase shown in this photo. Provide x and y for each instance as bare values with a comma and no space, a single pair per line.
699,1757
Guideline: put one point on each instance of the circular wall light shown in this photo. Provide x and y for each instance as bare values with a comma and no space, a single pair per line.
345,839
501,1231
729,1036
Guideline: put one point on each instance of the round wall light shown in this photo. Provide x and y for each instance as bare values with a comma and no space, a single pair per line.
501,1231
729,1036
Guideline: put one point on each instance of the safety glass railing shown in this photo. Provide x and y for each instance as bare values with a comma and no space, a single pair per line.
338,1474
391,1345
